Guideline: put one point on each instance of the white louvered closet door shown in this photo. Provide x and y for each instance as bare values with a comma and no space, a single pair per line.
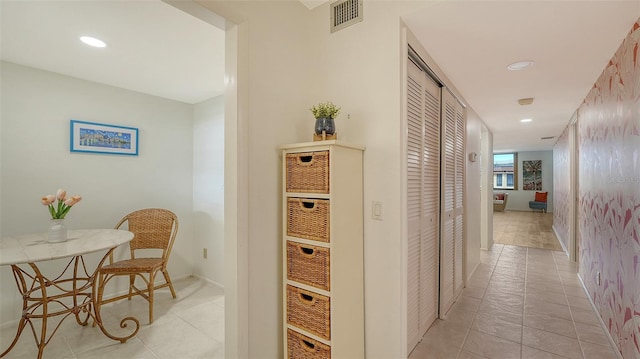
415,88
423,187
452,237
430,234
459,195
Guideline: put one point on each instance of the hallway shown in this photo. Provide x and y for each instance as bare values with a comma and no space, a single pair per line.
520,303
528,229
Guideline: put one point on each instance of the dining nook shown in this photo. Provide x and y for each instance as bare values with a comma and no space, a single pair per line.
166,166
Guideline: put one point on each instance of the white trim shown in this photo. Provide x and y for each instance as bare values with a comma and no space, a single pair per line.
564,247
406,37
602,323
205,279
573,188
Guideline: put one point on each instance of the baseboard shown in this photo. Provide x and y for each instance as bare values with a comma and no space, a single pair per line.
566,251
208,280
471,274
602,324
523,210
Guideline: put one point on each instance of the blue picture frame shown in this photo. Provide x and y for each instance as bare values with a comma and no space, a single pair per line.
102,138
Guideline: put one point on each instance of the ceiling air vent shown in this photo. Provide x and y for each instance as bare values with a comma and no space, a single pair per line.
547,138
525,101
345,13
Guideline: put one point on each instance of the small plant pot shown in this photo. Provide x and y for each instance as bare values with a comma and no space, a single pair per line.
325,124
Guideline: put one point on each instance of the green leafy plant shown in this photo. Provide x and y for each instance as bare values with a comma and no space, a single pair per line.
326,110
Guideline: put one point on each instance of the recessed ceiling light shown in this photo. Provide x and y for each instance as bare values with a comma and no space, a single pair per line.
92,41
524,120
520,65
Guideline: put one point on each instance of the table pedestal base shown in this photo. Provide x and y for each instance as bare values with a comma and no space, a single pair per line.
44,298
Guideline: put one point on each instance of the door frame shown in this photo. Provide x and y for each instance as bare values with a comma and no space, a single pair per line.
574,190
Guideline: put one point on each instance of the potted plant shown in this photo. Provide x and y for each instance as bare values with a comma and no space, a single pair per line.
325,113
59,205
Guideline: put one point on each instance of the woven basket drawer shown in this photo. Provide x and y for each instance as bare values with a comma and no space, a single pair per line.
309,311
302,347
308,218
308,264
308,172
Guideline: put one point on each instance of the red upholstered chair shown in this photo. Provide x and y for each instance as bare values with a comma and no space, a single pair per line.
541,197
539,202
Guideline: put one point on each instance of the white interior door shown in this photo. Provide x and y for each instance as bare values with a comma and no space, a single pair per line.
452,202
423,187
415,104
430,225
459,198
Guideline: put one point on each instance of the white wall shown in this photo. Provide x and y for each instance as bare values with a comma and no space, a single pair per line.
36,109
208,189
361,67
486,159
519,200
275,78
473,205
293,61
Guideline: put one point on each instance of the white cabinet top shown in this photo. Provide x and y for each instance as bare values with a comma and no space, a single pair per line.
322,143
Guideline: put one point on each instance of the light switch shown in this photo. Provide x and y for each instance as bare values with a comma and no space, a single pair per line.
376,210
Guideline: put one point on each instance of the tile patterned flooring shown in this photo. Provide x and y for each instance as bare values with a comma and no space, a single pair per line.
188,327
521,302
528,229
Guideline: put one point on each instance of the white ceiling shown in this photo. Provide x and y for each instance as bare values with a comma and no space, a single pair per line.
156,49
571,42
152,47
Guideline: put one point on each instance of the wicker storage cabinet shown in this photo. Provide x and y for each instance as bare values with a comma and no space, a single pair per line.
302,347
308,264
308,218
322,247
308,172
309,311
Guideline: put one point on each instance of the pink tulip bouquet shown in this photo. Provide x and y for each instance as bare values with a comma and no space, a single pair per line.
63,206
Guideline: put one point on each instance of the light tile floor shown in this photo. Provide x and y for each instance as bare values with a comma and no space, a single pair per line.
525,228
520,303
188,327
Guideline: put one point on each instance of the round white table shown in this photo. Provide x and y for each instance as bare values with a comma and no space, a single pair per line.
72,292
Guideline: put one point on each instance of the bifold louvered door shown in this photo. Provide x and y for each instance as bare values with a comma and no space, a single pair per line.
322,250
423,202
452,235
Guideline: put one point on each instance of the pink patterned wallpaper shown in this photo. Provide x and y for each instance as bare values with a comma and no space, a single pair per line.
609,210
561,186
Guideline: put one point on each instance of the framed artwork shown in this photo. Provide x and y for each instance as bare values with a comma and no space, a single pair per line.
532,175
103,138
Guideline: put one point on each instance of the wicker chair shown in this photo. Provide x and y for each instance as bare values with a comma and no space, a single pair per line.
153,228
500,202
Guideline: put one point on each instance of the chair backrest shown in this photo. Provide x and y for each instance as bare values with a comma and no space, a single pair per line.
153,228
541,197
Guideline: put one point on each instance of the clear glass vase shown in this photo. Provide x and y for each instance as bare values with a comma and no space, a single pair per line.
57,231
325,124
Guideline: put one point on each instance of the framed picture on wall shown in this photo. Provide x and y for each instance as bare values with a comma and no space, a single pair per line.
532,175
103,138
